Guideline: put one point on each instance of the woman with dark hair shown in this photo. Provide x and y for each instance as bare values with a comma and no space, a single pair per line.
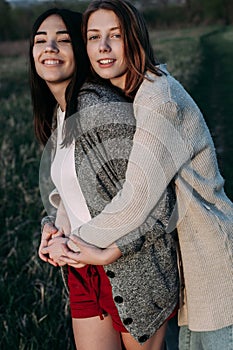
92,127
172,144
43,100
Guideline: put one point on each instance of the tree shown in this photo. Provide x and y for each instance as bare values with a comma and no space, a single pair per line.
217,9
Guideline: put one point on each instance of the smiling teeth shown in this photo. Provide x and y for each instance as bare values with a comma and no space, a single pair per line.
106,61
51,62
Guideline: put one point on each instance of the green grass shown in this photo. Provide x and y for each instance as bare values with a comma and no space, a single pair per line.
214,95
180,49
34,313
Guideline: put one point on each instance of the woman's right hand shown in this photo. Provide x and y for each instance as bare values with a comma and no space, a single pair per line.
49,231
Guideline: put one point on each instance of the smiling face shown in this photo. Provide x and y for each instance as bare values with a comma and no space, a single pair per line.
53,52
105,47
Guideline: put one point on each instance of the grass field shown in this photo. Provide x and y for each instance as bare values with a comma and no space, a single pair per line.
34,313
33,307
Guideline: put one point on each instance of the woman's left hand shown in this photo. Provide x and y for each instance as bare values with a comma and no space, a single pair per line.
56,249
89,254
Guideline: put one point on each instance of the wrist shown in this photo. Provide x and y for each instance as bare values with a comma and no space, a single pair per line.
72,246
111,254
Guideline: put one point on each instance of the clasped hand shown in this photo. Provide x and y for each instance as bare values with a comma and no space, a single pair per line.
53,247
59,250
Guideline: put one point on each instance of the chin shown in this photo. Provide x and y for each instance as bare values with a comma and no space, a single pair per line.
104,76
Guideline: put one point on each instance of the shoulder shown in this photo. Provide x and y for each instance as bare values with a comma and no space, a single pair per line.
101,104
158,90
156,96
93,93
163,93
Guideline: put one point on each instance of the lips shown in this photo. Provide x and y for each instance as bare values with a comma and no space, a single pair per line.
106,61
52,62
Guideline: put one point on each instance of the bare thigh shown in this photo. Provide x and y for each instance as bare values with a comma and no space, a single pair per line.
156,342
94,334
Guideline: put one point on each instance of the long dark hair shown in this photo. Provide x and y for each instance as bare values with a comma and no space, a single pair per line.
43,100
138,50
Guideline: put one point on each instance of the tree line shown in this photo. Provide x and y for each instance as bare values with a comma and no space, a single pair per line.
16,21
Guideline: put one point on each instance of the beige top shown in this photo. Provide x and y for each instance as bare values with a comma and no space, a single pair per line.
172,142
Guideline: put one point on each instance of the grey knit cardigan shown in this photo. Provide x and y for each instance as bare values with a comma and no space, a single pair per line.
145,281
171,126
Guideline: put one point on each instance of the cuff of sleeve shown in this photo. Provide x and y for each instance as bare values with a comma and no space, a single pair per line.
54,198
76,232
46,220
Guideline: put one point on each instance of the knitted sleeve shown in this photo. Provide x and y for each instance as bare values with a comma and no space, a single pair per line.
157,154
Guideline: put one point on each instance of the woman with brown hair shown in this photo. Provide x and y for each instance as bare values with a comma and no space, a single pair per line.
91,125
172,144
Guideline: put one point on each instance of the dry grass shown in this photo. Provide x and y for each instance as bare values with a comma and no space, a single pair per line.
14,48
33,309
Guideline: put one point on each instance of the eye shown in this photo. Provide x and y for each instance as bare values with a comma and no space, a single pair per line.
93,37
116,35
39,40
64,39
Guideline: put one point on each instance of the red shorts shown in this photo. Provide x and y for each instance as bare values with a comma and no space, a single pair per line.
91,295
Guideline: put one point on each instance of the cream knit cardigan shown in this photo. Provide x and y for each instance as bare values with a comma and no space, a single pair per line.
172,142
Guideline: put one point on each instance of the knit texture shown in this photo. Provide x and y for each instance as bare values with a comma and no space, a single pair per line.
172,143
144,280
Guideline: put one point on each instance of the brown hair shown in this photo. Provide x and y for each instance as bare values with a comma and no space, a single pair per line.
138,50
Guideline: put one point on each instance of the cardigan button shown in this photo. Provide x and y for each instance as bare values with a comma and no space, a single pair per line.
118,299
127,321
143,338
110,274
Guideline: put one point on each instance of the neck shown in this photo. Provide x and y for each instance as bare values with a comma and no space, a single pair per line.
58,91
119,81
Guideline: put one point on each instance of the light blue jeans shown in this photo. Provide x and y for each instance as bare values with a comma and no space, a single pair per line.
221,339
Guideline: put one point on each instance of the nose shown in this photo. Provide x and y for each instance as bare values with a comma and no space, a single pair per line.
51,47
104,46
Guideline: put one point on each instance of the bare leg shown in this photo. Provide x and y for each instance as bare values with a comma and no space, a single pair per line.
156,342
94,334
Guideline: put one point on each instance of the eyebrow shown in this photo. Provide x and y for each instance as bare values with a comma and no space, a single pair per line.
97,30
58,32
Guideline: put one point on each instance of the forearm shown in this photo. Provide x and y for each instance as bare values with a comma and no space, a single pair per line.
89,254
158,153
